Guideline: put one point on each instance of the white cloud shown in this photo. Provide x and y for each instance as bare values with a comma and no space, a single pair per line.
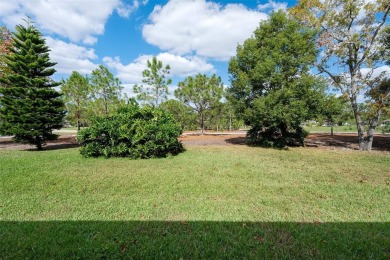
71,57
124,10
204,28
383,71
272,6
180,66
79,21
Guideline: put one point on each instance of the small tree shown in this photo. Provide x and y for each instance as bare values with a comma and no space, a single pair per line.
272,89
30,107
201,93
156,89
76,93
332,109
106,90
182,113
349,38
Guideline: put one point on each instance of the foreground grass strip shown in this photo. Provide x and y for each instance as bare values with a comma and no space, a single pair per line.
231,201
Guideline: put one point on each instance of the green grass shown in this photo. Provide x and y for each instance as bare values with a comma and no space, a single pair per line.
209,202
327,129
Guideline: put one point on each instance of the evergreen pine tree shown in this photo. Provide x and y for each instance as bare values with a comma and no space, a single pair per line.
30,107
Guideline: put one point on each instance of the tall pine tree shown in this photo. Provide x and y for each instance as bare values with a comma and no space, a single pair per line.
30,107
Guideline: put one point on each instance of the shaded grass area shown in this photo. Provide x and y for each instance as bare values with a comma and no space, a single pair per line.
193,239
230,202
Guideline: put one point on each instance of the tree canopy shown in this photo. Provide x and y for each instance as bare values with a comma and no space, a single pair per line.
105,90
201,93
5,45
272,89
77,93
155,89
30,107
350,43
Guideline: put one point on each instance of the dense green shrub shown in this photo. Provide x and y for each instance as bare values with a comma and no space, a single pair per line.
132,132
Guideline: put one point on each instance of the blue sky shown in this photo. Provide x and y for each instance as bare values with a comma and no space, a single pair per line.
192,36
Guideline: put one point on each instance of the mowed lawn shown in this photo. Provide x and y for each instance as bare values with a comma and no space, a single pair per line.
208,202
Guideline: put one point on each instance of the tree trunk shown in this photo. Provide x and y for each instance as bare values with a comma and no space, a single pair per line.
230,122
202,123
331,130
359,123
38,143
371,129
105,107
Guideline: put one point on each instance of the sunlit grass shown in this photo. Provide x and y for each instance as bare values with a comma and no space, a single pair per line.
214,191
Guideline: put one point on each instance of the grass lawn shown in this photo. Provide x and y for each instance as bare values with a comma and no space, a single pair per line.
209,202
339,129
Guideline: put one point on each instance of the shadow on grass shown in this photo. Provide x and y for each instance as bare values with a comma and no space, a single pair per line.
237,140
64,142
193,239
349,141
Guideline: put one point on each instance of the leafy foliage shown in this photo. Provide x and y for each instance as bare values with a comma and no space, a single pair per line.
156,88
30,106
76,92
272,89
106,90
182,113
201,93
5,45
352,48
132,132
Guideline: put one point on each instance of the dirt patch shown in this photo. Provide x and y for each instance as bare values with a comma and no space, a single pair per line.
346,141
63,142
321,141
317,141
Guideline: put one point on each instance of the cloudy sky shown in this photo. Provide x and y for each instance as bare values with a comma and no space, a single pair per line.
192,36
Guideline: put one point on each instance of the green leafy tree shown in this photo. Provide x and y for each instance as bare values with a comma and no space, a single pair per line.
106,91
350,42
222,117
76,93
5,45
272,89
156,89
182,113
30,107
385,40
332,109
201,93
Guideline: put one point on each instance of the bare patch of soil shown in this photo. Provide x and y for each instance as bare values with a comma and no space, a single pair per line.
346,141
321,141
63,141
318,141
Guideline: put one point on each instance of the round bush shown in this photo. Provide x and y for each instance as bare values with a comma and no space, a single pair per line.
132,132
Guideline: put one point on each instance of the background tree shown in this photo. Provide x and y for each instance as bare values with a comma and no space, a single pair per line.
272,89
332,110
349,40
222,117
5,45
385,40
76,94
182,113
106,90
30,107
201,93
156,89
